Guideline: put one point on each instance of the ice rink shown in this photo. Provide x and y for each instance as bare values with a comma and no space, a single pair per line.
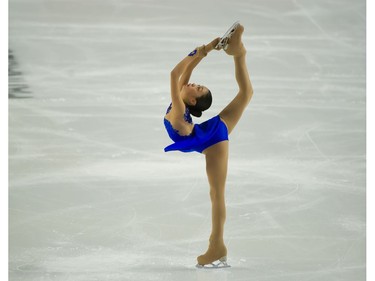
93,196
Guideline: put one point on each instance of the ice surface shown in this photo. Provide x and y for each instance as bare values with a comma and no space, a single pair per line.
94,197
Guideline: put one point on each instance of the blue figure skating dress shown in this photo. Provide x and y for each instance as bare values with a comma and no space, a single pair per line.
203,135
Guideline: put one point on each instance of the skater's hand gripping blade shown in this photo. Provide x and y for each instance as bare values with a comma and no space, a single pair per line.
221,263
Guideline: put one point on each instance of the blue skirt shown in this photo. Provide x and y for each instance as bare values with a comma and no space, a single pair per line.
203,136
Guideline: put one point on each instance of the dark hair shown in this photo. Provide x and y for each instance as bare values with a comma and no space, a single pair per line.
203,103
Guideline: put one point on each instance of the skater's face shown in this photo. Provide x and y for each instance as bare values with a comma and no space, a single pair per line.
191,92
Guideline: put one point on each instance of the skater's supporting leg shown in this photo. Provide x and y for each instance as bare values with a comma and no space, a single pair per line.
216,167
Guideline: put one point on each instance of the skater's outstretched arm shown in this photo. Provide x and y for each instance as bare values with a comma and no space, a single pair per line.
181,73
195,56
185,77
190,67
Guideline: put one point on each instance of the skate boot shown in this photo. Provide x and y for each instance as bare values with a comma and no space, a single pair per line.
223,43
235,46
215,257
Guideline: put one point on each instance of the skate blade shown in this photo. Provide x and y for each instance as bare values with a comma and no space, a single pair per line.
221,263
223,43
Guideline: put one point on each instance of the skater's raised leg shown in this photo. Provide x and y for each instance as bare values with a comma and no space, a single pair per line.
232,113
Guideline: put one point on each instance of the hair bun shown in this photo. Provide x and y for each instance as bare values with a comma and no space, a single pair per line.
202,104
195,112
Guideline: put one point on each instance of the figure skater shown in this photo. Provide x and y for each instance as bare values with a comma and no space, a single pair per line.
210,137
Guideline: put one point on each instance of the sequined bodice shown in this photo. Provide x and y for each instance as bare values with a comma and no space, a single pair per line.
187,116
173,133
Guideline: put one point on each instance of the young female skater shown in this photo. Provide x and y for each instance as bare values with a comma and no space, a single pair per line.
211,137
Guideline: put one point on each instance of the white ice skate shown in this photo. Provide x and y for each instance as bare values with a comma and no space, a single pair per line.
221,263
223,43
